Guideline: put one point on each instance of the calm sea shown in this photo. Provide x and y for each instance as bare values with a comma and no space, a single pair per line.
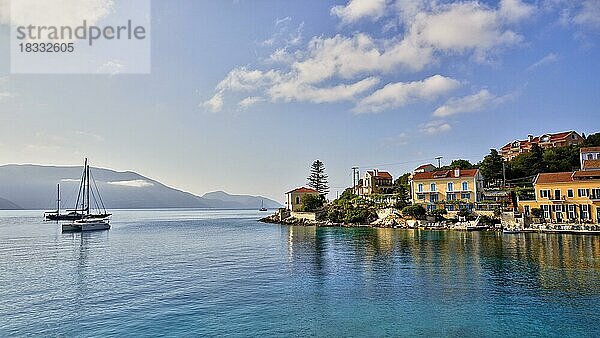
216,273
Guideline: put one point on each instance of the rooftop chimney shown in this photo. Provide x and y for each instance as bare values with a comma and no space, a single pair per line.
530,138
375,172
457,172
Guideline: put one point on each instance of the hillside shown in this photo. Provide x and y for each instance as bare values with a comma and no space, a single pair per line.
34,187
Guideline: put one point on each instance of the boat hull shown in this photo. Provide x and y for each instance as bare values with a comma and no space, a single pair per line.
86,226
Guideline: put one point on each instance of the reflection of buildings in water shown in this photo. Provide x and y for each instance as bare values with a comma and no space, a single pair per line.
445,258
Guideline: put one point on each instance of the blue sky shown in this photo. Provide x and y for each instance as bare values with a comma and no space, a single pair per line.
244,95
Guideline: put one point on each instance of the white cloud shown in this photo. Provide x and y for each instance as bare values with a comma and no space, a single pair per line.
395,95
250,101
589,15
546,60
214,104
133,183
462,27
298,91
54,12
515,10
344,67
472,103
435,127
358,9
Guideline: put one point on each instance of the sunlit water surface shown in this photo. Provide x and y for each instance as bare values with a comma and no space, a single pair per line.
195,272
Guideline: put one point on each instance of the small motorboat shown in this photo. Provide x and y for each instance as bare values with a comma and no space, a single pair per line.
511,231
87,224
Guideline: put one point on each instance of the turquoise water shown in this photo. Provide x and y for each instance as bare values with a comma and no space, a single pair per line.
215,273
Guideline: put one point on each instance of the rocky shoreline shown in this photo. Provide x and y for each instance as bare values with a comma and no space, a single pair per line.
380,223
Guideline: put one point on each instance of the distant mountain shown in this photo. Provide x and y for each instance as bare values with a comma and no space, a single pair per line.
34,187
8,205
241,201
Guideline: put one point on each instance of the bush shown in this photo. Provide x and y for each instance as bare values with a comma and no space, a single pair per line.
438,214
537,212
415,211
311,203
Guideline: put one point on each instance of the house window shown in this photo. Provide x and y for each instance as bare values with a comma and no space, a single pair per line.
297,199
451,197
585,212
431,207
570,193
558,209
557,194
434,198
546,209
583,192
571,212
595,193
466,196
465,186
420,187
526,210
450,207
450,186
590,156
433,187
420,196
545,193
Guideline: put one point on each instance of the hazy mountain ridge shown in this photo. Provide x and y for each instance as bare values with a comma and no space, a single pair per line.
34,187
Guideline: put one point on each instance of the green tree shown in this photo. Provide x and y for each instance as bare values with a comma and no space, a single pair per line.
561,159
528,164
318,179
311,203
402,191
491,166
592,140
415,211
462,164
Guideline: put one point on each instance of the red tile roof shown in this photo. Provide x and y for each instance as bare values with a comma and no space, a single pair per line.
590,149
553,138
595,174
382,174
424,166
303,190
433,175
554,177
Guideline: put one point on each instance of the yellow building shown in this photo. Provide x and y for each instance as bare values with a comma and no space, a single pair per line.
447,189
566,197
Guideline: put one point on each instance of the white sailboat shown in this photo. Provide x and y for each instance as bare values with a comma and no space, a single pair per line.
89,221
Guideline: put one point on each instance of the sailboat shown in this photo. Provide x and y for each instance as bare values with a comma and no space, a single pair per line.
71,214
262,206
88,221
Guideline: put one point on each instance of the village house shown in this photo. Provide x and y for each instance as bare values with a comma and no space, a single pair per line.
517,147
293,199
568,197
376,182
452,190
590,158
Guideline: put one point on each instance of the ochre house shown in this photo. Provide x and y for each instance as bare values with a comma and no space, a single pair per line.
452,190
293,199
566,197
376,182
517,147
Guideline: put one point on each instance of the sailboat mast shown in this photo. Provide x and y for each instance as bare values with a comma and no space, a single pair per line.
87,187
58,199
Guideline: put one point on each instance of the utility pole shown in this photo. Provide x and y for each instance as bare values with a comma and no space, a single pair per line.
439,159
503,174
354,169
